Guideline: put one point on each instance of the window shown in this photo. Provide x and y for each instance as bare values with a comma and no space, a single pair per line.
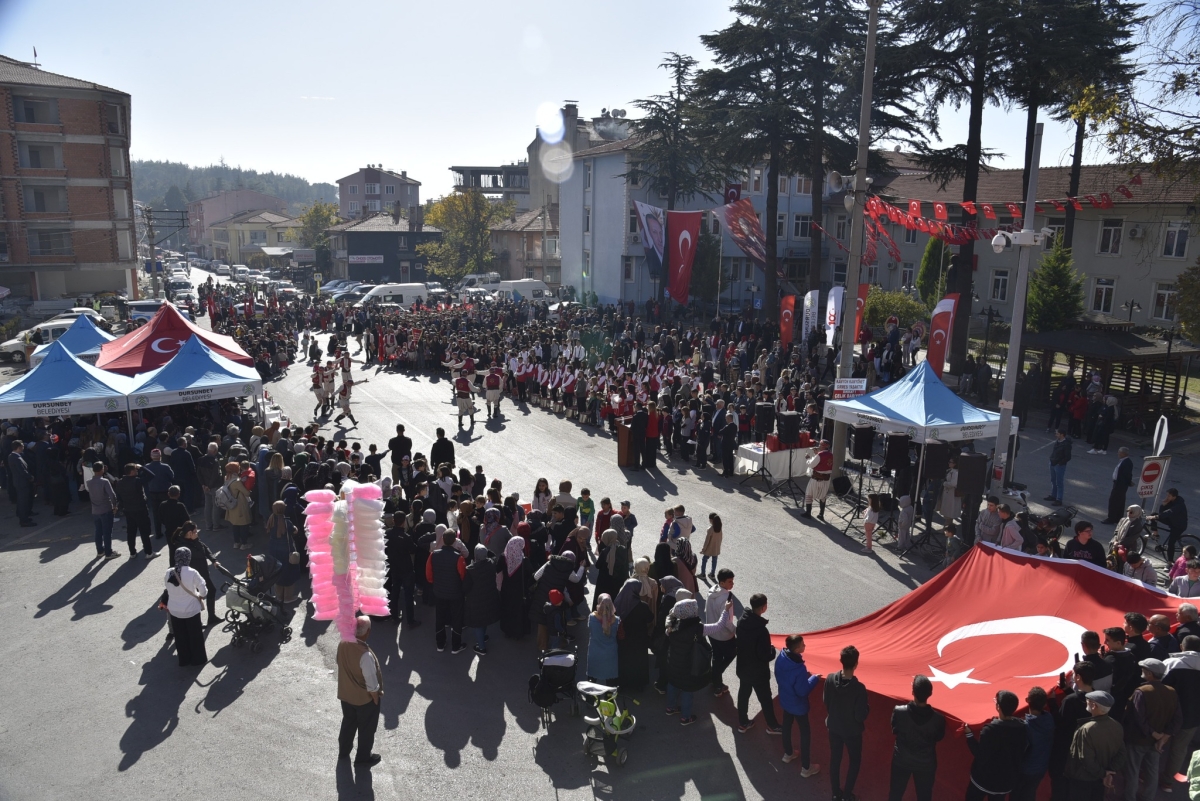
872,273
116,162
781,225
551,275
749,267
756,180
38,157
906,274
1102,295
910,236
839,273
124,245
121,203
1175,241
587,176
353,189
1000,286
402,243
803,186
50,243
784,181
633,220
634,166
1057,225
112,118
627,267
45,198
371,205
552,247
796,269
28,109
279,237
258,236
587,219
220,235
353,206
587,262
371,189
716,224
1110,236
735,269
801,226
529,272
3,247
390,189
1164,302
840,227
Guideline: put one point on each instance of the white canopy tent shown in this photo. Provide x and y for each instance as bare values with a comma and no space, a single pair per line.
62,384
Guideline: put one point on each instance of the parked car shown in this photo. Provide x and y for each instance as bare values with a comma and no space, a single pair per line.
223,269
14,349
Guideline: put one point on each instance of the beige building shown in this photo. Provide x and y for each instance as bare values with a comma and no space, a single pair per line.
527,246
221,206
237,238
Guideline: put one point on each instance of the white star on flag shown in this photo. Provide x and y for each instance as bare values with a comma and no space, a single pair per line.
952,680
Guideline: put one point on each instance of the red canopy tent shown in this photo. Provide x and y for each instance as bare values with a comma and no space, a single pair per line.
995,620
155,343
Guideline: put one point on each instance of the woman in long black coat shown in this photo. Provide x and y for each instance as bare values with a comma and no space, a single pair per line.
612,566
516,588
481,604
633,639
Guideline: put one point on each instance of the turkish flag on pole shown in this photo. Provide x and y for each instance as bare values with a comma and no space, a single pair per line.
683,234
914,208
787,315
939,332
860,306
969,207
939,211
733,193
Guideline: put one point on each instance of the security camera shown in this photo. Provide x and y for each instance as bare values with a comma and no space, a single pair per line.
999,243
1048,232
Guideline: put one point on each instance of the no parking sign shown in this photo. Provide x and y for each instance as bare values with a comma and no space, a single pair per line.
1154,470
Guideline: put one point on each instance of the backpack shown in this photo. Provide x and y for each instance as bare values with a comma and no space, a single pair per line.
701,658
224,498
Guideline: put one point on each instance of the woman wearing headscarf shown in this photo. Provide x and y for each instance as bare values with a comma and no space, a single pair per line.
670,587
685,564
633,639
493,536
684,676
516,582
650,593
183,598
663,566
188,536
481,601
1129,530
282,547
602,642
624,536
612,566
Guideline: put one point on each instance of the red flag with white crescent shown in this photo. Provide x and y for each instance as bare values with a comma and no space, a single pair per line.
860,306
914,208
683,234
939,211
787,316
939,332
733,193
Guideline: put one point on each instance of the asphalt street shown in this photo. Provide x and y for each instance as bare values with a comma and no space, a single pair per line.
95,707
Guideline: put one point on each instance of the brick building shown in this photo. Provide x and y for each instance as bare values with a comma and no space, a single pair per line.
65,195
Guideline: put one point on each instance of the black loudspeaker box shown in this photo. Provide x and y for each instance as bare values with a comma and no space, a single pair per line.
789,427
972,473
895,453
764,419
862,442
937,460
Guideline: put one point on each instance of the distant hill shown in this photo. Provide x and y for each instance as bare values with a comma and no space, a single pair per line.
153,180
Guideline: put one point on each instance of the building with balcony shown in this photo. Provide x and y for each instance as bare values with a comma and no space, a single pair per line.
222,206
66,202
238,238
527,246
373,189
509,182
380,248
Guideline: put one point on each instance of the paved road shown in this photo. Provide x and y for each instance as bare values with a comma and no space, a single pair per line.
95,707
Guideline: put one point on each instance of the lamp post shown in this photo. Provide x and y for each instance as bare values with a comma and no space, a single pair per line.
854,204
1131,306
991,314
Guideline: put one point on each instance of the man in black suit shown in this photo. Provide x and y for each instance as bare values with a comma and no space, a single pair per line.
637,436
1122,481
22,482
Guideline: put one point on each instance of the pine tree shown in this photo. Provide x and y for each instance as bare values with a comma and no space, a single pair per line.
1055,297
931,277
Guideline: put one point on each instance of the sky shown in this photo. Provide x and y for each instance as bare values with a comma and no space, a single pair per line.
321,89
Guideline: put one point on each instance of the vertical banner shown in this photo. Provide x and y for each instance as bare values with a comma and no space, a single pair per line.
860,308
833,313
810,314
939,332
653,227
741,221
787,319
683,232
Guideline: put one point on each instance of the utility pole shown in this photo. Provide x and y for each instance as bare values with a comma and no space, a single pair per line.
854,204
149,212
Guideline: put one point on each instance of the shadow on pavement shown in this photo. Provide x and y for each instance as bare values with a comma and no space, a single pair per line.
354,782
154,714
74,587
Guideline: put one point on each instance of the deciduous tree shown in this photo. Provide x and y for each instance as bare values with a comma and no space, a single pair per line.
314,222
465,220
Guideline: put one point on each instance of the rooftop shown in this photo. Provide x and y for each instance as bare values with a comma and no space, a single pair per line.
380,223
25,74
529,221
1111,345
389,173
253,216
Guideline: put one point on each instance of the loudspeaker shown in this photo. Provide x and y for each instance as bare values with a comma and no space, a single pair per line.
862,442
937,460
764,419
895,451
789,427
972,473
841,485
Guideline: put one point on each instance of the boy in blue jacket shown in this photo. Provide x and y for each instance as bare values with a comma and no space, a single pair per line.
795,683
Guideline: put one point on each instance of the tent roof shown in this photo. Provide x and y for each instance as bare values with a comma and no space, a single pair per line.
153,345
62,384
195,373
83,335
996,619
920,405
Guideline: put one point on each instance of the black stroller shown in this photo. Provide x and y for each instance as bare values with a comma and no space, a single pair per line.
554,683
250,608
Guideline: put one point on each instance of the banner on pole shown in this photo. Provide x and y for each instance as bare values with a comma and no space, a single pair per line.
833,313
809,320
860,307
939,332
742,223
787,319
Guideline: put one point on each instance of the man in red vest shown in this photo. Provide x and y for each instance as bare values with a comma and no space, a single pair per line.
492,385
820,470
462,393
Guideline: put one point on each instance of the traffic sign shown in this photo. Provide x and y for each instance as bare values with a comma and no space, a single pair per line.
1160,435
1154,470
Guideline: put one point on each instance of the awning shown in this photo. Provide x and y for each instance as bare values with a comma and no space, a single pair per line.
83,339
272,251
64,385
195,374
153,345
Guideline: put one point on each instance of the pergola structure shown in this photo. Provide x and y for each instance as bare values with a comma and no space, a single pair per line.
1146,374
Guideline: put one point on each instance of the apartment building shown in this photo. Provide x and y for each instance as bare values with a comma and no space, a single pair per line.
381,248
527,246
65,195
373,189
221,206
240,236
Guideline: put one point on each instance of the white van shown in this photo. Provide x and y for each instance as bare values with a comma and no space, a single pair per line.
241,273
403,294
488,281
526,288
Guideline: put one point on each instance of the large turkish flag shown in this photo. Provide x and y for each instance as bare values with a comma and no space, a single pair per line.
683,235
939,332
787,319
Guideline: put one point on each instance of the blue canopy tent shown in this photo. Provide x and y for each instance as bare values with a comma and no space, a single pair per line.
83,339
195,373
63,385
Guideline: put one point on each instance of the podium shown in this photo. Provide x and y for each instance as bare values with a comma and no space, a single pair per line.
625,451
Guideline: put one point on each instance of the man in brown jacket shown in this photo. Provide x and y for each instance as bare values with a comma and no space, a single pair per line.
360,684
1097,751
1152,717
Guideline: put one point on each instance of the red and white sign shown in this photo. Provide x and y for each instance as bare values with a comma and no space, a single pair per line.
1154,469
846,388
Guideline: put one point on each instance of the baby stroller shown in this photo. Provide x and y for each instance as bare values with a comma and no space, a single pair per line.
555,682
608,725
250,609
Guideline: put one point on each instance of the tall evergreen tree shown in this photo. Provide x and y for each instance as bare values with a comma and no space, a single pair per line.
1055,291
931,277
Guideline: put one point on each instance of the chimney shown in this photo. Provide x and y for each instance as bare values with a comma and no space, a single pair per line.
416,219
570,114
395,214
404,173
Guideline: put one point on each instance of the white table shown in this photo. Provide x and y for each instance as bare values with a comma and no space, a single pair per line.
749,458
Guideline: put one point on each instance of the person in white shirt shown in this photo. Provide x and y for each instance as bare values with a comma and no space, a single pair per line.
184,600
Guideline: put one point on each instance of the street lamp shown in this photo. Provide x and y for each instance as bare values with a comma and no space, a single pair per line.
854,204
991,314
1131,306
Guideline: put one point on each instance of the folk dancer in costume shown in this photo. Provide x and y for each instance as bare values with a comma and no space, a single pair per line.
462,393
343,399
345,364
567,397
318,387
820,470
328,377
493,385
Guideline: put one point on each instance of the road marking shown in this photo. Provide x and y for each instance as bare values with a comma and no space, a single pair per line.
408,424
39,533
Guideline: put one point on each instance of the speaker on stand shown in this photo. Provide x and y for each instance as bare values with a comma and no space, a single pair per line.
764,424
972,482
789,428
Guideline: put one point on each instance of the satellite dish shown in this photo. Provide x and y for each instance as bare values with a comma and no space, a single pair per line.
835,181
896,149
619,113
